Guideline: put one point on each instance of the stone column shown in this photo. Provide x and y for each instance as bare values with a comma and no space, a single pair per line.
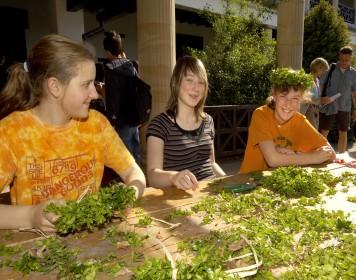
336,4
156,54
307,6
290,28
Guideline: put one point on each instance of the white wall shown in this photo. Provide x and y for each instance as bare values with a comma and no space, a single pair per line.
126,25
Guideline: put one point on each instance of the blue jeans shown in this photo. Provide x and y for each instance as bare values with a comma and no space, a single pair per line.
131,138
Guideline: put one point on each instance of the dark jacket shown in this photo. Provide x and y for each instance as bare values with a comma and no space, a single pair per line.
116,73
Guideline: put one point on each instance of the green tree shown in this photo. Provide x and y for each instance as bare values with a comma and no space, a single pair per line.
241,56
325,32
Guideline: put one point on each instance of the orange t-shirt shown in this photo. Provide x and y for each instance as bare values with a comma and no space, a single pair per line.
296,135
44,161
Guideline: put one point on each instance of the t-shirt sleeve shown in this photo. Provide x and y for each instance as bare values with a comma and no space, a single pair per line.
211,125
116,155
260,127
157,127
7,168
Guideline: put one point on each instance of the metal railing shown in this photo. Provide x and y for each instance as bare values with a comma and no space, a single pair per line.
231,128
346,12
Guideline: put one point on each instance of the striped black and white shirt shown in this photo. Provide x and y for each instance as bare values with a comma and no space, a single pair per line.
185,149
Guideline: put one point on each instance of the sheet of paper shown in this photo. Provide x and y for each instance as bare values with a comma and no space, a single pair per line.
335,96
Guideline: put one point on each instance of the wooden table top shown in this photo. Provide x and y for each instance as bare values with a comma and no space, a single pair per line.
156,203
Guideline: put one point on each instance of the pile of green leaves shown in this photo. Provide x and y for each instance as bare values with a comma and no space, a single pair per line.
286,234
53,254
94,210
294,181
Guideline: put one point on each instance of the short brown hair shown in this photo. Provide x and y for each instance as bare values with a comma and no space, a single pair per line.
346,50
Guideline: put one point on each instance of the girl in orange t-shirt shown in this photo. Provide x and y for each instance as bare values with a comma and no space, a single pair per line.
52,147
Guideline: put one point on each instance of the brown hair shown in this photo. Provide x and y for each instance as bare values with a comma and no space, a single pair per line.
112,43
346,50
183,65
306,94
52,56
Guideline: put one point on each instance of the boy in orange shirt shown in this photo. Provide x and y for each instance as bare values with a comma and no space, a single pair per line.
278,134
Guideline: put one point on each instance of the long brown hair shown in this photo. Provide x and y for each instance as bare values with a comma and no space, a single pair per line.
183,65
52,56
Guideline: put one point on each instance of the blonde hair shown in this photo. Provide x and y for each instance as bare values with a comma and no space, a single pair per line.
319,63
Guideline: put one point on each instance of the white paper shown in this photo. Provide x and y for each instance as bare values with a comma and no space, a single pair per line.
332,98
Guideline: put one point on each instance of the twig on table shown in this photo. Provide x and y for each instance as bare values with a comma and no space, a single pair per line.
30,240
246,270
83,194
171,226
169,257
35,231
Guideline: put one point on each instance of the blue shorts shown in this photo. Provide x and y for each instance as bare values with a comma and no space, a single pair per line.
342,120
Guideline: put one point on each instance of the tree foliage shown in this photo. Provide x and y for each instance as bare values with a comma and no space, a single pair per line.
241,56
325,32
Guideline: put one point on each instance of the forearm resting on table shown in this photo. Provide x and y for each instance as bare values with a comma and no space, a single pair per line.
217,170
158,178
15,217
276,159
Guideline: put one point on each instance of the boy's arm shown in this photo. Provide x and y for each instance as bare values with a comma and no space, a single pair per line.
275,159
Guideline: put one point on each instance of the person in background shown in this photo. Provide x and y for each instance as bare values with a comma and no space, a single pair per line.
343,81
180,141
311,110
99,103
53,148
115,89
278,134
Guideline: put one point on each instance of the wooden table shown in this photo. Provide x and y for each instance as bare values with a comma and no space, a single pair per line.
157,204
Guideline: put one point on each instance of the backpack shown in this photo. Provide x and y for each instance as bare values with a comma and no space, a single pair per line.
140,99
332,68
135,104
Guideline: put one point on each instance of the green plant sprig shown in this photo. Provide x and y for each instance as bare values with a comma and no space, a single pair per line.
294,181
94,210
292,78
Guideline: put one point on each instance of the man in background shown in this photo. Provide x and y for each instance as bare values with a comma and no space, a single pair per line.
116,87
343,81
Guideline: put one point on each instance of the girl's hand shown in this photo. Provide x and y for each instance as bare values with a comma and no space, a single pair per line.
42,220
185,180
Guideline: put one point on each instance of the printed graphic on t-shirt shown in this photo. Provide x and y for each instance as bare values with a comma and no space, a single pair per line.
66,178
283,142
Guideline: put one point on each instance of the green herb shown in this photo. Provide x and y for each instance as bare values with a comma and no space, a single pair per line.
145,221
93,210
292,78
178,214
295,182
